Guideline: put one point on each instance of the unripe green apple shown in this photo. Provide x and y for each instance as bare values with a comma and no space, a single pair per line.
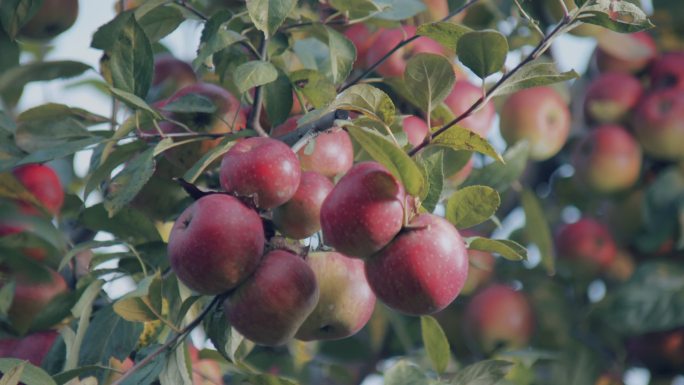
300,217
659,124
53,17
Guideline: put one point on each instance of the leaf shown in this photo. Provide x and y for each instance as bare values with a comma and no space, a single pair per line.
618,16
367,100
175,371
392,157
131,60
357,9
537,229
486,372
60,151
31,375
262,379
398,9
10,52
484,52
14,14
149,373
533,75
12,188
253,74
13,376
114,337
430,77
18,77
459,138
405,373
278,99
434,169
227,340
102,171
106,35
471,206
141,304
215,37
214,154
435,342
126,185
134,102
191,103
508,249
53,111
268,15
317,89
341,54
444,32
500,175
160,22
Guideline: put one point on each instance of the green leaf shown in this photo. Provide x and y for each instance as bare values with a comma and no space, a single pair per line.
618,16
278,99
175,371
397,10
54,111
126,185
459,138
481,373
508,249
444,32
663,197
160,22
13,376
56,152
430,77
317,89
6,296
268,15
533,75
501,175
11,188
214,154
471,206
141,304
341,53
30,375
115,337
537,229
191,103
221,39
392,157
435,342
134,102
484,52
149,373
434,169
253,74
10,52
18,77
105,37
131,60
227,340
357,9
262,379
14,14
367,100
405,373
40,134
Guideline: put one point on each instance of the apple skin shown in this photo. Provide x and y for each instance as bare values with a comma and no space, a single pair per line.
272,304
362,38
44,184
659,124
300,217
416,129
53,18
661,352
611,97
538,115
346,302
461,98
32,348
395,65
667,71
628,62
364,211
423,269
215,244
170,75
586,243
608,159
499,315
31,297
333,151
264,168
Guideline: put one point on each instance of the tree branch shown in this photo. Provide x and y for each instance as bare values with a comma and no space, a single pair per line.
299,137
257,106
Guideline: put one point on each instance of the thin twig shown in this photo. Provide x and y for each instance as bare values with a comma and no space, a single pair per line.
566,11
195,11
257,106
310,23
530,20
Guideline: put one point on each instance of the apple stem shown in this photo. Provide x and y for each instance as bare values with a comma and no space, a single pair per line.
530,20
255,117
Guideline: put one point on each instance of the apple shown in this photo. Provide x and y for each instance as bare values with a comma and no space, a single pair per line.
628,53
661,352
53,17
461,98
263,168
272,304
364,211
659,124
461,175
611,97
608,159
215,244
362,38
538,115
416,129
170,75
480,272
586,243
32,348
667,71
395,65
299,217
423,269
331,153
499,317
43,183
346,302
609,379
31,296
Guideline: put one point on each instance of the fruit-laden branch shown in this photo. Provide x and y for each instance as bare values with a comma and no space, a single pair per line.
299,137
168,344
402,43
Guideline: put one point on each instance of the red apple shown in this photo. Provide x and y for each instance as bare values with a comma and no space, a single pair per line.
462,97
586,243
170,75
608,159
364,211
387,39
44,184
611,97
215,244
497,317
300,217
628,53
423,269
31,296
416,129
538,115
263,168
667,71
32,348
53,17
332,153
273,303
661,352
346,301
363,40
659,124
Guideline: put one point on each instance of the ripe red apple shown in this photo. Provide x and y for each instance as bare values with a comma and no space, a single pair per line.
462,97
538,115
364,211
332,153
346,302
31,296
497,317
273,303
586,243
363,39
32,348
608,159
611,97
628,53
423,269
661,352
667,71
170,75
53,17
659,124
263,168
416,129
44,184
300,217
395,65
215,244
